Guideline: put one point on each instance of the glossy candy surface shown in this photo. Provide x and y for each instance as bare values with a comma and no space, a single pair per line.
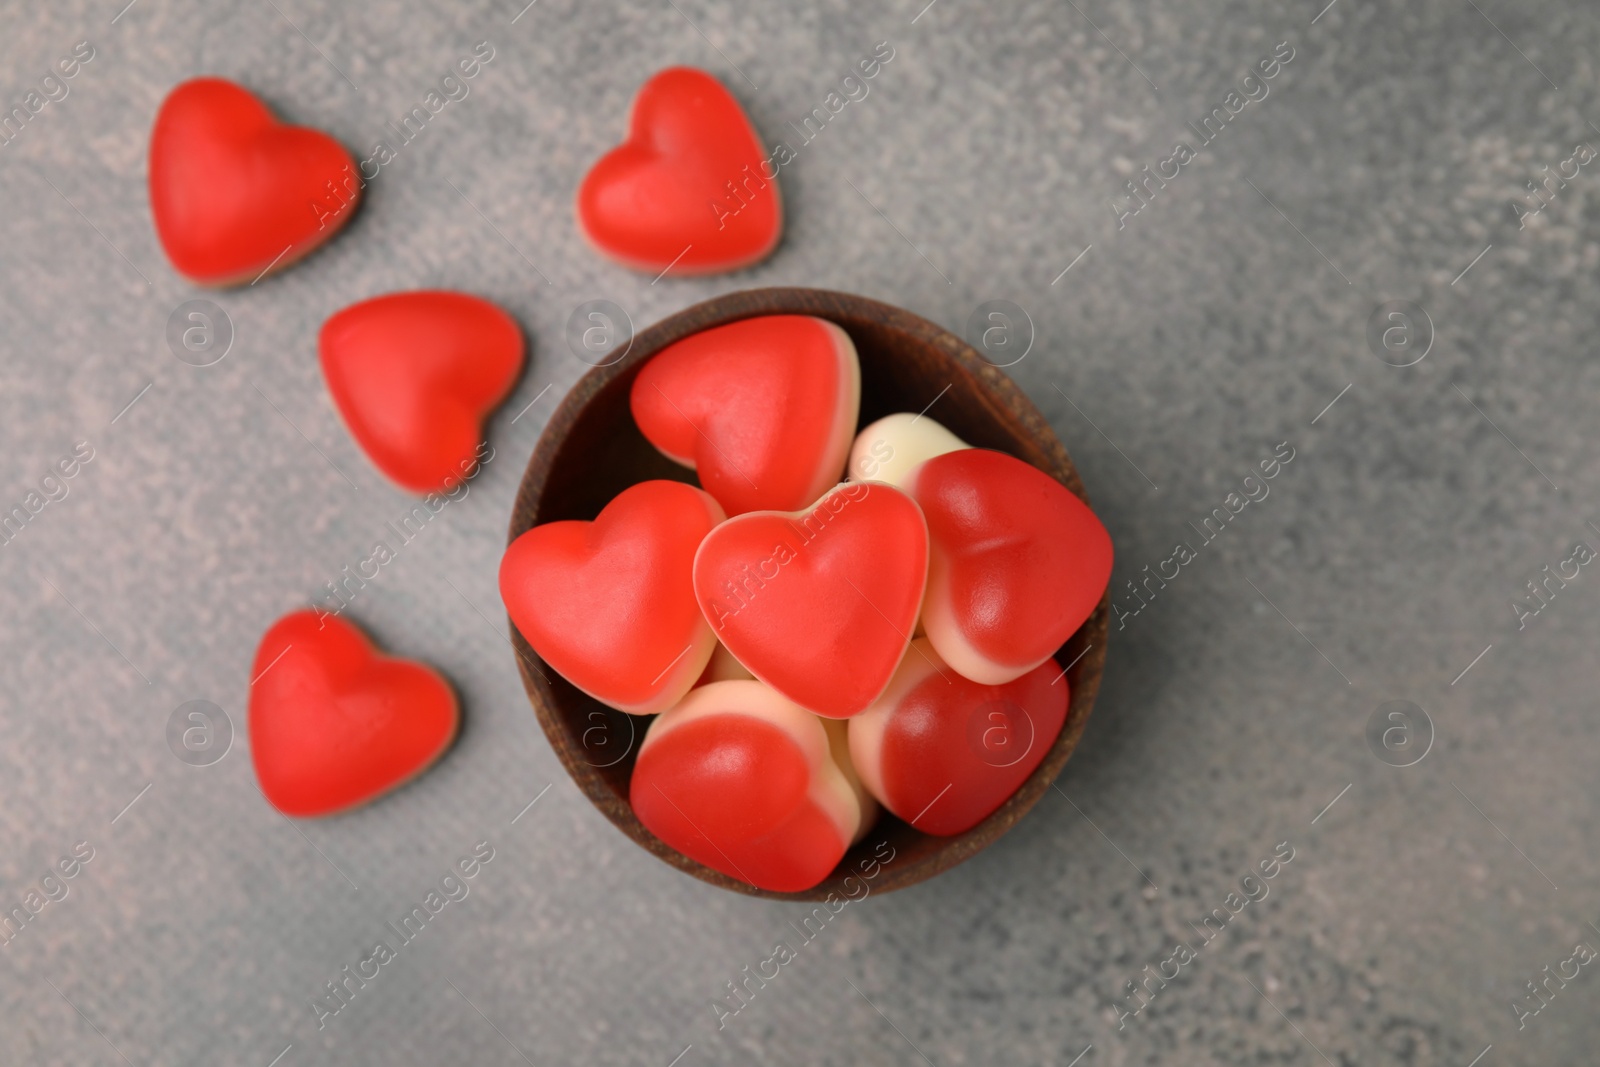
610,603
741,780
820,603
234,191
763,409
688,188
414,375
335,723
887,450
943,752
1017,562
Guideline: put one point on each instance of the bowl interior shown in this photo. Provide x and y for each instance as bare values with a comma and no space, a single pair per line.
591,450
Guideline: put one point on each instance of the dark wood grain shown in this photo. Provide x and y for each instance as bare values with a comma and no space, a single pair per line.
591,450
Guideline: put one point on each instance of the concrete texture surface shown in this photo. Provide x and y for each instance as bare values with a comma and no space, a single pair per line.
1182,347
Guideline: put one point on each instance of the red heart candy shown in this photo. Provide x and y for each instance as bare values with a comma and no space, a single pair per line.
943,752
234,191
745,782
1018,562
414,375
334,723
609,603
819,604
763,409
689,189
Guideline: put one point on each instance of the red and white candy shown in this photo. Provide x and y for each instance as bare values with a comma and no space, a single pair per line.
887,450
942,751
744,781
815,649
609,603
819,604
763,409
1017,562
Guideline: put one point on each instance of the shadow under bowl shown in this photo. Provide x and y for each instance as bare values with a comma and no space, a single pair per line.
591,451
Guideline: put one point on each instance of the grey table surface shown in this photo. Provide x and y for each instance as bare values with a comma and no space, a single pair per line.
1182,347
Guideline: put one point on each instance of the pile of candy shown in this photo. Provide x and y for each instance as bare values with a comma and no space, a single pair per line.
769,619
810,648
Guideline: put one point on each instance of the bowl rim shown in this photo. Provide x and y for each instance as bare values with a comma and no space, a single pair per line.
1008,404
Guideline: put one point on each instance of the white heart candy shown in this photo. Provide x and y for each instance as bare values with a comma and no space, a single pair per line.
888,449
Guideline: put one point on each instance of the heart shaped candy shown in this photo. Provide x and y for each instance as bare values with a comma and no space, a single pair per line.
690,189
744,781
943,752
414,374
234,191
819,604
887,450
762,409
334,723
1017,562
609,603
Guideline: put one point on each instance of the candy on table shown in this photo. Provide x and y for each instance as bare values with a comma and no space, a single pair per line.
690,190
887,450
234,192
609,603
744,781
414,374
942,752
819,603
1017,562
763,408
334,723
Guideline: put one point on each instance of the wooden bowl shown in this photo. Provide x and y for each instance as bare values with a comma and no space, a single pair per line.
591,450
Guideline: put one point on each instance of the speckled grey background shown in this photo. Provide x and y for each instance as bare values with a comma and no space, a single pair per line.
1218,322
